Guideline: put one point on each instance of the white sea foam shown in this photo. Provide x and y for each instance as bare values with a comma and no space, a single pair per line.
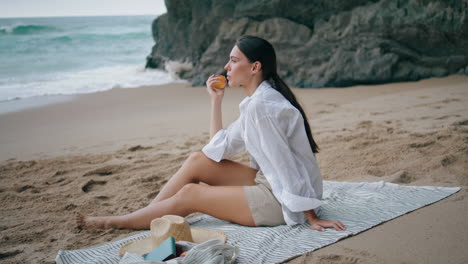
7,28
86,81
175,67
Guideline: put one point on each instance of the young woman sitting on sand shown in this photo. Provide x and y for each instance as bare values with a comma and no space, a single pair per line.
282,185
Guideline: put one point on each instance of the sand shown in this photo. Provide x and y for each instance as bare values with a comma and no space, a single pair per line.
110,153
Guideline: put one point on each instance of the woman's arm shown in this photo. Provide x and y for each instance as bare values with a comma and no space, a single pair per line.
216,120
319,224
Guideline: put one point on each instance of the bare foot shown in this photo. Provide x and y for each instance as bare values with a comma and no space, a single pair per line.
94,222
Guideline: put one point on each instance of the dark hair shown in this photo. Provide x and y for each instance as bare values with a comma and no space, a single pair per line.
258,49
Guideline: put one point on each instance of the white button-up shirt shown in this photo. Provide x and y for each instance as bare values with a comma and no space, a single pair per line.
272,131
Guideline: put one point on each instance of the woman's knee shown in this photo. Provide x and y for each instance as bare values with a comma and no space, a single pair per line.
188,193
196,157
185,197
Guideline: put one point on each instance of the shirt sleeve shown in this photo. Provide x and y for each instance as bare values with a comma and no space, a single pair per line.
225,143
278,161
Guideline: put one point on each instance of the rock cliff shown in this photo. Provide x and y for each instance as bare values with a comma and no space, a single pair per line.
319,43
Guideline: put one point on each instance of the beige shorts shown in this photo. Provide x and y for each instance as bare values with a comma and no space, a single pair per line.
265,208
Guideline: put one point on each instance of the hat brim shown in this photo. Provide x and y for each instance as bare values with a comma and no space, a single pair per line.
145,245
201,235
141,246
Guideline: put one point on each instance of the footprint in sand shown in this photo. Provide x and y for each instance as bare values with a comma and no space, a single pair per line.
422,134
449,100
360,145
90,185
448,160
52,181
70,207
60,172
23,188
375,172
364,124
102,197
401,177
446,116
461,123
104,171
138,147
421,145
27,187
9,254
442,137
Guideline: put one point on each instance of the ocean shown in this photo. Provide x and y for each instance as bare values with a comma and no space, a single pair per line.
74,55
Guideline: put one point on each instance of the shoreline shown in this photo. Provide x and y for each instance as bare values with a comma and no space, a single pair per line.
110,152
20,104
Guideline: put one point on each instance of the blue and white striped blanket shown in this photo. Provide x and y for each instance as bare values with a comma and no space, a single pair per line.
359,206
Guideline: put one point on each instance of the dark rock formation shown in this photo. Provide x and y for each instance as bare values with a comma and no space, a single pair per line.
319,43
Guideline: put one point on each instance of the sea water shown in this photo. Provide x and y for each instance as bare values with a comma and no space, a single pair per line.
74,55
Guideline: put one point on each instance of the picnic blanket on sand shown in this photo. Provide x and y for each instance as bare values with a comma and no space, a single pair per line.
359,206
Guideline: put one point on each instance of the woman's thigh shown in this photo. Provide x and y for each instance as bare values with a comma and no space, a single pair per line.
224,202
223,173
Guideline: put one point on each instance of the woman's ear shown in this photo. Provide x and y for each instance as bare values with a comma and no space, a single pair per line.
256,67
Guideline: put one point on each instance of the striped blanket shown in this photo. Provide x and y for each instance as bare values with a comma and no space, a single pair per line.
359,206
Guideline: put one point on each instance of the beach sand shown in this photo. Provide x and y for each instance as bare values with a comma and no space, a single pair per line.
110,152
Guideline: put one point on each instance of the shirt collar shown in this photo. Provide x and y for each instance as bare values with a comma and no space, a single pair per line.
264,86
261,88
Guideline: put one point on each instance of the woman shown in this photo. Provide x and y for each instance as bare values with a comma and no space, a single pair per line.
282,185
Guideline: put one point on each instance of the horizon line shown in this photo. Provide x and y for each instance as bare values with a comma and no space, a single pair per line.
59,16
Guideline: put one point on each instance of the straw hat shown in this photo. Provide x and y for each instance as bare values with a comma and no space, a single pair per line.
170,226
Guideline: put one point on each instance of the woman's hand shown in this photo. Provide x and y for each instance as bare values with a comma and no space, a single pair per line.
215,94
320,225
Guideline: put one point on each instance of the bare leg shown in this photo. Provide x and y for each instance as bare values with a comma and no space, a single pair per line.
223,202
199,168
195,169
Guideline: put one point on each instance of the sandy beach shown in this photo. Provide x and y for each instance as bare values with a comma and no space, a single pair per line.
110,153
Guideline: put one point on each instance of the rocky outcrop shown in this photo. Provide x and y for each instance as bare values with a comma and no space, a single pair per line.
319,43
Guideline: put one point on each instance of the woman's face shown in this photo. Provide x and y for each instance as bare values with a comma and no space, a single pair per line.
238,68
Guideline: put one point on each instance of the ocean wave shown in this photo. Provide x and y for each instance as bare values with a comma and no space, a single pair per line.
26,29
61,39
103,36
